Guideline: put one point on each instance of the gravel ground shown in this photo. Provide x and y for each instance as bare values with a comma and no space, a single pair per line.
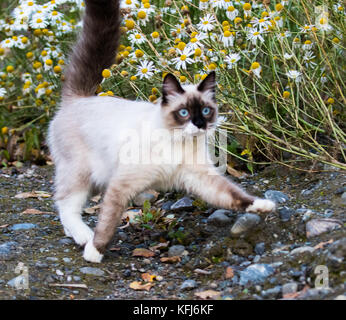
181,248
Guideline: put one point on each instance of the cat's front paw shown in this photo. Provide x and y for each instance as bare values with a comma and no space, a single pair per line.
261,206
91,254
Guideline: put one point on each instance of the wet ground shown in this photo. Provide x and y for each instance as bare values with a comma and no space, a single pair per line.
180,249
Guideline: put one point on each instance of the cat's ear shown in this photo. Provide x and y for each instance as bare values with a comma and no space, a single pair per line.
208,84
170,87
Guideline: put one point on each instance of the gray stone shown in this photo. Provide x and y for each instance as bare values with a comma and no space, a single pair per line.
142,197
271,293
183,204
256,273
219,218
245,223
276,196
23,226
66,241
343,198
316,227
290,287
285,213
66,260
92,271
167,205
260,248
7,250
188,285
176,250
19,282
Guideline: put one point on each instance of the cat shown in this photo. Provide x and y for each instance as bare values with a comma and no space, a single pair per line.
85,141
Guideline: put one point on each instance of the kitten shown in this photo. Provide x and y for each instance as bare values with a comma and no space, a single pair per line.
86,139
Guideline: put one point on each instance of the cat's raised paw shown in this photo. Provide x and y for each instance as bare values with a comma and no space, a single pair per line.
91,254
261,206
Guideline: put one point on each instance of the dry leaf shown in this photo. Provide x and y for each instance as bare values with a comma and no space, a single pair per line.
294,295
141,252
229,273
92,210
115,249
131,215
136,285
162,245
208,294
33,194
147,277
35,211
174,259
4,226
322,244
235,173
96,198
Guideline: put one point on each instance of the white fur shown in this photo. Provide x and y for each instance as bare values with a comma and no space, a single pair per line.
261,205
91,254
70,216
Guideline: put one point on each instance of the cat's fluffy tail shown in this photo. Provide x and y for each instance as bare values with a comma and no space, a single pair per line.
95,49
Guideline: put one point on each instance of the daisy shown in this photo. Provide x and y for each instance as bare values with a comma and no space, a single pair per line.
253,36
308,59
136,38
256,69
195,41
288,56
231,13
283,35
55,15
218,4
206,23
295,75
227,38
155,37
323,24
247,9
306,28
20,24
2,92
129,4
226,3
38,21
183,59
232,60
203,4
307,45
146,69
262,23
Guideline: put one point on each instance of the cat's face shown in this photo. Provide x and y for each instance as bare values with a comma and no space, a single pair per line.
190,108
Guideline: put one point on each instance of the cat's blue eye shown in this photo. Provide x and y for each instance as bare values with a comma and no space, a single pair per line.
183,112
206,111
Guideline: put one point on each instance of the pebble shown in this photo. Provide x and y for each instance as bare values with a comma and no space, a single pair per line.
167,205
316,227
188,285
260,248
65,241
18,282
285,213
219,218
53,259
256,273
7,250
183,204
92,271
23,226
245,223
272,292
276,196
144,196
343,198
176,250
59,272
290,287
66,260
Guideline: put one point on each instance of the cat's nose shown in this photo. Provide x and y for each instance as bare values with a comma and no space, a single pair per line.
198,123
